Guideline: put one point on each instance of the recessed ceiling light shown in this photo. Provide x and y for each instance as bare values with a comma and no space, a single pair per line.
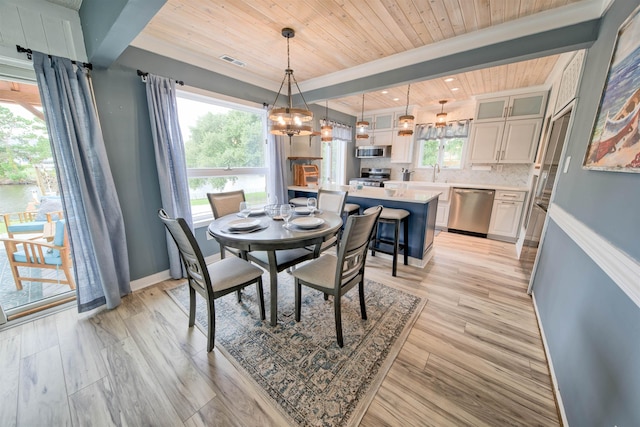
385,92
396,99
453,89
449,79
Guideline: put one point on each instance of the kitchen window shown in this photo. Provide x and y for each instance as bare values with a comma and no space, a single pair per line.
224,149
443,146
334,155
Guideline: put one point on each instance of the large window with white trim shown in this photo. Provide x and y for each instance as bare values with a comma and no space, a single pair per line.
225,149
334,155
442,146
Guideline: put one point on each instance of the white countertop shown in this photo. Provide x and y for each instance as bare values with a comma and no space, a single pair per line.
411,196
457,184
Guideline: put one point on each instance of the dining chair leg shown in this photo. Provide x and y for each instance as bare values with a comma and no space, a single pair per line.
363,308
374,240
260,297
326,296
192,306
338,315
239,292
211,332
298,299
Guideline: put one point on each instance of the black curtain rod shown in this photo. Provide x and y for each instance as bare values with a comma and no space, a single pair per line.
29,52
144,74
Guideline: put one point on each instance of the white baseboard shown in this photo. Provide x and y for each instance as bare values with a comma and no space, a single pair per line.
554,380
151,280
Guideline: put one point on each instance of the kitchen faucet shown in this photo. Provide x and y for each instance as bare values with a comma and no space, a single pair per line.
436,169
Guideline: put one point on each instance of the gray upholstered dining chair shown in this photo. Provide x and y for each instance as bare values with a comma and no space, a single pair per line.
337,275
224,204
213,280
331,201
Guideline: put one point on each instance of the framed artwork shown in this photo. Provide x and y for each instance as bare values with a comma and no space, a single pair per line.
615,139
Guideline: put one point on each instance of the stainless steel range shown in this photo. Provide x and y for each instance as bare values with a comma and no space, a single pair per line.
372,177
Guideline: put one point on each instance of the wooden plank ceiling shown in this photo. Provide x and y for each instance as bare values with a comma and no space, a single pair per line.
332,36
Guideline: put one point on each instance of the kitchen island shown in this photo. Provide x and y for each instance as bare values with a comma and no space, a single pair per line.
422,206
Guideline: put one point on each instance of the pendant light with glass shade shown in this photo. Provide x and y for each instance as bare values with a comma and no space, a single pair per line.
362,126
406,122
288,120
326,130
441,117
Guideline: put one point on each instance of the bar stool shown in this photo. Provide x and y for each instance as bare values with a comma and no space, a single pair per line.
395,217
351,209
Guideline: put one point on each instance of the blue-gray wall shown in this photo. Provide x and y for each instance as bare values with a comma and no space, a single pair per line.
591,326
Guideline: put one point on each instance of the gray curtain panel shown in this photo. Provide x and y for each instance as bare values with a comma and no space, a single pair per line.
170,159
90,201
276,180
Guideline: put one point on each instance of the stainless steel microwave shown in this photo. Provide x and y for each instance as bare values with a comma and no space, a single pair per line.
369,151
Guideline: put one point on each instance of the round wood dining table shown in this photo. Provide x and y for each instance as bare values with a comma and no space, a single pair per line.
272,238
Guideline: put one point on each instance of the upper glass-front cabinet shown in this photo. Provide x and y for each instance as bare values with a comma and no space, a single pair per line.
383,121
492,109
525,106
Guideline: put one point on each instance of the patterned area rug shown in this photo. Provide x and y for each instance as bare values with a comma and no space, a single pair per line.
299,366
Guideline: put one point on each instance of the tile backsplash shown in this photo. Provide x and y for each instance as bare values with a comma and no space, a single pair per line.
508,175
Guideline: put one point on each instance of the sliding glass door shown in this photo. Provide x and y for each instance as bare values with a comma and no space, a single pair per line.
32,266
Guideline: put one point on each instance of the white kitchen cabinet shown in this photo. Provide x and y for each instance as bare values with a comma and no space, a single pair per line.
380,130
510,141
520,141
402,149
524,106
486,142
384,137
382,122
506,215
442,215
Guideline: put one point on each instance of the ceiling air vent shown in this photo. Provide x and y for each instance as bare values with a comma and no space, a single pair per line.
232,60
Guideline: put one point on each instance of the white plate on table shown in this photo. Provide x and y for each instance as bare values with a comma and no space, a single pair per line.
302,210
307,222
256,212
243,224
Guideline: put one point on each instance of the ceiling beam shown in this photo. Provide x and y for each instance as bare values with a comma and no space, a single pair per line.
110,26
30,108
20,97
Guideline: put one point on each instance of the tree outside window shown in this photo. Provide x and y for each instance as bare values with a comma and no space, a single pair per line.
225,149
23,143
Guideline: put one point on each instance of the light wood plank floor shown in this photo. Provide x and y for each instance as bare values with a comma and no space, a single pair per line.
474,357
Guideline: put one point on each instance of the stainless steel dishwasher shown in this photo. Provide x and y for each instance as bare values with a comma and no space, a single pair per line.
470,210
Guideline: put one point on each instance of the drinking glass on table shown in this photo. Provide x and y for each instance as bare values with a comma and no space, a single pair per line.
312,204
286,211
244,210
